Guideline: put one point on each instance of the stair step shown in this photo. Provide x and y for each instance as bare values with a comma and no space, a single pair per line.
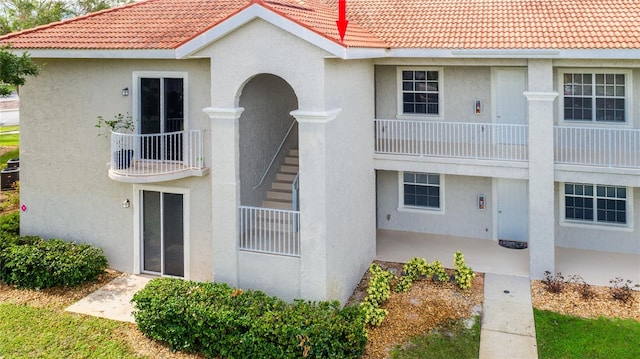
277,204
280,194
281,185
293,152
290,160
289,169
286,177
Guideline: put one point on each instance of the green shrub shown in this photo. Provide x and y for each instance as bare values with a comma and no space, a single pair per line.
464,274
439,274
379,289
219,321
10,223
31,262
372,314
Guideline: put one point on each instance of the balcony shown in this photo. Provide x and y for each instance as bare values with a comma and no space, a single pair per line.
602,147
499,146
146,158
478,141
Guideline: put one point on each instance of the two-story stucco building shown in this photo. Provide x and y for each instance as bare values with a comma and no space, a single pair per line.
269,154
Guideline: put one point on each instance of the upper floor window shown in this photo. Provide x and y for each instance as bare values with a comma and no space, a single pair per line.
595,203
598,96
420,92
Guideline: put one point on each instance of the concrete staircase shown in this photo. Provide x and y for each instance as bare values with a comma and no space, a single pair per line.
279,196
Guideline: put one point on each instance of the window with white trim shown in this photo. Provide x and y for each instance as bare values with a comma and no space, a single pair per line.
596,96
420,92
421,190
595,203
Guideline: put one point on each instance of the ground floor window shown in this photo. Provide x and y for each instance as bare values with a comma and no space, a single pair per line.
421,190
596,203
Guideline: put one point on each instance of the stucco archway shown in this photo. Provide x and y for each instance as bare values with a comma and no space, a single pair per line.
267,101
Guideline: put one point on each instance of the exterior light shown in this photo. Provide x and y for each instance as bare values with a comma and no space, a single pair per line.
126,203
125,91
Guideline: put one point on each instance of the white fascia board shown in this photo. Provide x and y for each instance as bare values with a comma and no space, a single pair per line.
518,53
98,54
250,13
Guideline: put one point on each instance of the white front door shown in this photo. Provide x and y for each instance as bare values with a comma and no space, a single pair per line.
513,209
510,104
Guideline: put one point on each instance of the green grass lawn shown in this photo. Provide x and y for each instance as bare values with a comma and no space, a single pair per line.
9,129
9,155
562,336
453,340
29,332
10,139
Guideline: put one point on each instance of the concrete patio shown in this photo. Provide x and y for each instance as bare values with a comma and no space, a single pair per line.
487,256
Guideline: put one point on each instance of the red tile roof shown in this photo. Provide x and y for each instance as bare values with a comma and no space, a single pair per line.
431,24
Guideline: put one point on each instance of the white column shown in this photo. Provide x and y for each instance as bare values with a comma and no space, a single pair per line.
540,99
312,143
225,189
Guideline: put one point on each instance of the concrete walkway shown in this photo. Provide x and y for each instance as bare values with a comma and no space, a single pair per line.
112,301
507,329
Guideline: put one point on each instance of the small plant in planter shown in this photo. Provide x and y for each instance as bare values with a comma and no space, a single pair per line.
119,124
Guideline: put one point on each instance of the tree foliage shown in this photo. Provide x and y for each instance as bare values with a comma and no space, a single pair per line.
14,69
17,15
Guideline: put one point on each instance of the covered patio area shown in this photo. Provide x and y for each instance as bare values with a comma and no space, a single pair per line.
487,256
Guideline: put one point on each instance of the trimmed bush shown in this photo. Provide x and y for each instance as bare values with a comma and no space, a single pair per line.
10,224
31,262
220,321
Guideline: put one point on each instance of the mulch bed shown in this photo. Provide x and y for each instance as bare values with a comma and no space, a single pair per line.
422,308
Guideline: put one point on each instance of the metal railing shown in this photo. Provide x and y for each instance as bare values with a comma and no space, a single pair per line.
271,231
591,146
489,141
275,155
156,154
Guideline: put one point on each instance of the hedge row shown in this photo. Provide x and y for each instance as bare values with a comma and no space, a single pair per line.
220,321
31,262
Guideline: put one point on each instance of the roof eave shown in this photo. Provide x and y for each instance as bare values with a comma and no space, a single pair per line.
516,53
97,53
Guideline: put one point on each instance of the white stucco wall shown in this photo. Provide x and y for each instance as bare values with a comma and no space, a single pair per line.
64,180
461,86
350,196
461,216
256,48
272,274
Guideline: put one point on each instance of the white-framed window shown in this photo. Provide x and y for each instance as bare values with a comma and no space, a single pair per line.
595,96
597,204
422,191
419,92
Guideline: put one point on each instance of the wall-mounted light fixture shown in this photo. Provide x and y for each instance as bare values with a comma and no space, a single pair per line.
125,91
126,203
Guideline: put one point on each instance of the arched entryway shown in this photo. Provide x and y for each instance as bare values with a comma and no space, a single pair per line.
268,133
268,172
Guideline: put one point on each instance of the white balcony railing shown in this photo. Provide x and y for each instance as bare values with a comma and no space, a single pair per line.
272,231
488,141
156,154
605,147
